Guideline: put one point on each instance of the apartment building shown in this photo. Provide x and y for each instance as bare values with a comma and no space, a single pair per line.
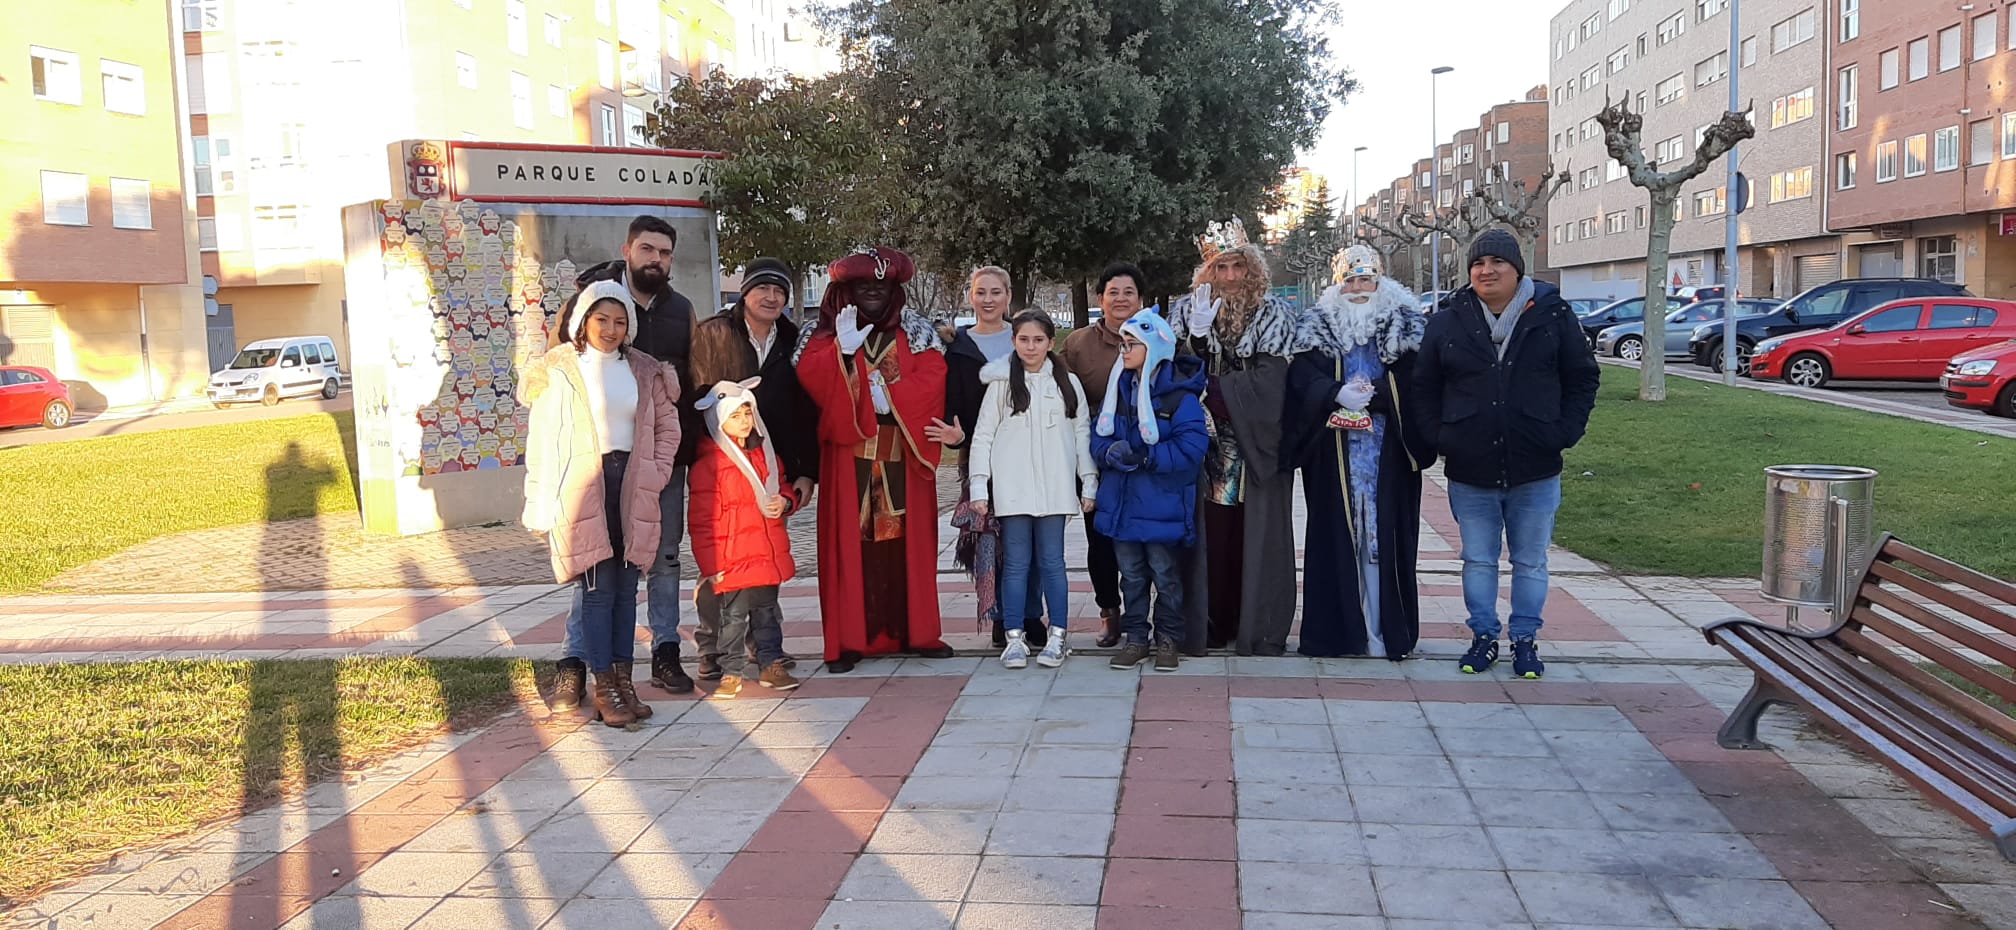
98,277
1924,141
1672,60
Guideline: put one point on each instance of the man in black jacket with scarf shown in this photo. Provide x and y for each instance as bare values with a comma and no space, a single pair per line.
1506,380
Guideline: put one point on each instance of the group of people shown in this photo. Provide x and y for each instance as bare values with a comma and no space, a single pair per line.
1176,436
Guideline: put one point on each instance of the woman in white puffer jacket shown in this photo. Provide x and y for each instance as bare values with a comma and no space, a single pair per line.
1032,468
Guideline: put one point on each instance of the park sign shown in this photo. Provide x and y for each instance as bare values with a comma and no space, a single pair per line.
512,173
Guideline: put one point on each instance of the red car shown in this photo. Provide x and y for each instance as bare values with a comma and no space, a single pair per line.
1984,379
1903,340
33,395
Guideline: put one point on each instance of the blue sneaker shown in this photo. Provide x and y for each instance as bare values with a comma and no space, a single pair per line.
1526,659
1482,655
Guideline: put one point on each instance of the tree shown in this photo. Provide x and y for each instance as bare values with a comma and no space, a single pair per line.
1622,130
1059,136
1307,249
1507,201
1459,225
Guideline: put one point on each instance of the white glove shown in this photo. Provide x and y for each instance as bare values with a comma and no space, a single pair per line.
847,329
1355,396
1203,310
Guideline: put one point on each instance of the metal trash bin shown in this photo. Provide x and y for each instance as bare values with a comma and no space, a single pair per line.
1802,567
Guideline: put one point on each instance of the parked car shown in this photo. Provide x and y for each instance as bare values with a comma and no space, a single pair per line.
1903,340
1815,308
31,395
1984,379
1431,301
1627,340
1628,310
272,369
1584,306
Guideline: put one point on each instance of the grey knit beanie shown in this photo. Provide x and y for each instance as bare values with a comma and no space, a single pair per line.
1498,242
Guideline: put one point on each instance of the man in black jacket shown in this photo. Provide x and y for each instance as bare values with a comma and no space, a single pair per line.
665,325
1506,380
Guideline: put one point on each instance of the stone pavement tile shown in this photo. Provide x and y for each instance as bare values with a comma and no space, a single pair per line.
1462,742
539,797
1168,734
1883,905
975,916
1566,810
814,831
1087,709
1428,846
1047,795
795,734
1115,917
741,913
795,875
753,762
1385,804
906,877
571,766
1095,679
1601,744
360,913
1861,780
699,831
1445,894
1494,922
1307,888
630,796
951,761
1274,765
1273,921
544,874
1568,717
1195,710
1020,708
657,875
849,759
182,872
1037,835
121,911
1386,740
735,794
1738,904
1397,771
1286,736
1578,897
1252,686
1312,841
406,874
939,832
1037,880
1533,849
1291,801
1706,855
1197,798
953,793
1170,883
1682,811
489,913
1850,853
1952,859
1910,817
1278,711
584,830
872,793
470,831
817,710
959,731
1157,836
1492,716
1993,905
1108,731
1623,775
888,915
1066,761
591,914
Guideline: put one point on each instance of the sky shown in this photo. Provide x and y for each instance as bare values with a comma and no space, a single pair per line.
1498,48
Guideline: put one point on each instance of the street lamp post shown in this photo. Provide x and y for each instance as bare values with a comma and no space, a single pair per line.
1354,190
1434,183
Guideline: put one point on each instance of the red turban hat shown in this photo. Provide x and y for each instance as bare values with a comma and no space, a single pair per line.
873,264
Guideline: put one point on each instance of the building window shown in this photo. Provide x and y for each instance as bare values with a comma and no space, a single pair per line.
1670,89
1619,59
1914,155
1670,151
1560,49
521,100
1886,70
1588,228
1851,19
1704,9
1981,142
556,100
2009,134
1792,31
277,226
125,87
1639,217
1469,153
1886,161
1591,76
1710,202
1642,38
1939,258
1849,114
1614,222
1711,70
1619,8
1591,26
605,64
1792,185
1949,48
516,30
214,172
56,75
609,136
1792,108
1749,49
1641,101
1921,58
1469,187
675,42
1590,178
202,15
206,233
1672,28
132,204
1984,36
555,31
65,199
465,70
206,71
1844,171
1560,234
1591,129
1615,171
1946,149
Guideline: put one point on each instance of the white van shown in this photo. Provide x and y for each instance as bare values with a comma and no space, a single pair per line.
270,369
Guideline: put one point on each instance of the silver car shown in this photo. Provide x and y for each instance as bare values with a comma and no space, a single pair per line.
1627,340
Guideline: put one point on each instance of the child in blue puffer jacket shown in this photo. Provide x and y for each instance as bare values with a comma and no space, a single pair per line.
1150,446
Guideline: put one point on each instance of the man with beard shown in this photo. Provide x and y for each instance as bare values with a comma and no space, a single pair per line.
665,326
876,373
1352,425
1246,560
754,339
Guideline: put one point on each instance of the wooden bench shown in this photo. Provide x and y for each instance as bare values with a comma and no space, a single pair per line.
1958,750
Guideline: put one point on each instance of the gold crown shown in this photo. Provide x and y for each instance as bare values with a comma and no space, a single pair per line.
1357,261
427,151
1220,237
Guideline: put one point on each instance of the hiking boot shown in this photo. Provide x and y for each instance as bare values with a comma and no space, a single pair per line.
730,686
627,690
1054,649
939,651
778,678
1129,655
710,668
666,671
789,660
1109,628
1165,655
1016,653
609,706
1482,655
1526,659
569,687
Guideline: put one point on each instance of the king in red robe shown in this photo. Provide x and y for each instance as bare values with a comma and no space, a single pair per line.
877,374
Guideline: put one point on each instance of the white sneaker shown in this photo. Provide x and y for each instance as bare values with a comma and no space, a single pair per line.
1017,653
1055,650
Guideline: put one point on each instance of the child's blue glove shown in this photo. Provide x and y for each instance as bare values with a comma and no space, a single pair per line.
1122,456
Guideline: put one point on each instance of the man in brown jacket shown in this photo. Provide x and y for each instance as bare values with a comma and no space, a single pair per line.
1091,353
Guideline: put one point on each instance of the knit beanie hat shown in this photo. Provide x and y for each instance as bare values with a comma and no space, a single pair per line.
763,271
1498,243
596,293
1147,327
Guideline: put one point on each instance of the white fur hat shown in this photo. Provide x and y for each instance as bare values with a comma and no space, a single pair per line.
600,291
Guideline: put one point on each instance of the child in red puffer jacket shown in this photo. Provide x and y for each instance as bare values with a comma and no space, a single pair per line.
735,508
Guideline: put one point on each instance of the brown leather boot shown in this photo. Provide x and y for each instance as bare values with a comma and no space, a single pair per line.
609,706
1109,634
627,690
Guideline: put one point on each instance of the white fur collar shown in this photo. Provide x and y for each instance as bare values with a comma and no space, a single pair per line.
1392,320
998,369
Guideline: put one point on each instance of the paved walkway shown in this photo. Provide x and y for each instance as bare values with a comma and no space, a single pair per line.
1270,794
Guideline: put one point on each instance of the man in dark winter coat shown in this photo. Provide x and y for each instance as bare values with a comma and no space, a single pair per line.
1506,380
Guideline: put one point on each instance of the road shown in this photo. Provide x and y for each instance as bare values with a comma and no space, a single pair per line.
174,415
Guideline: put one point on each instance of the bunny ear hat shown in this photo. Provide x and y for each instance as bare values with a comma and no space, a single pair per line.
719,403
1148,328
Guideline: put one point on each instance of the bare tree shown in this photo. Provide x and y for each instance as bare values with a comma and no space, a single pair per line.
1507,201
1459,225
1622,131
1391,240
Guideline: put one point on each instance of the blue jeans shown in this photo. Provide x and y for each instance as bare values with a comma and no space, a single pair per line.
1489,518
662,589
749,615
1033,545
602,628
1143,564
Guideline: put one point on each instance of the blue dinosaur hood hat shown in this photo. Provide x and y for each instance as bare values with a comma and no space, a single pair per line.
1151,330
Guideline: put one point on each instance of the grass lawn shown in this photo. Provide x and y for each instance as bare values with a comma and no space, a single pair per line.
69,503
1678,488
95,759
